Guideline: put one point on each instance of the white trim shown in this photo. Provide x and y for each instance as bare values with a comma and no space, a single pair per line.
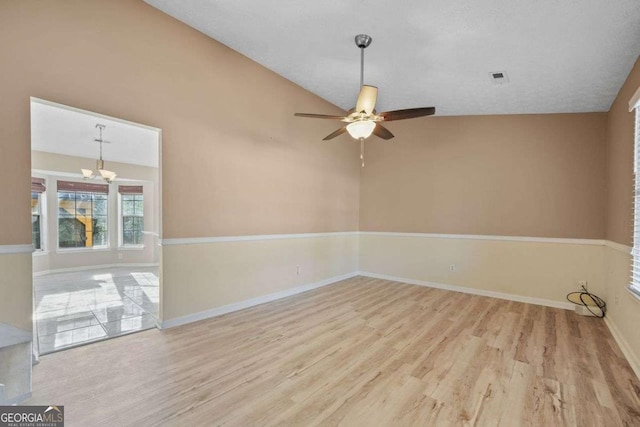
131,248
201,240
66,251
93,114
12,249
218,311
632,358
493,294
94,267
16,249
618,246
593,242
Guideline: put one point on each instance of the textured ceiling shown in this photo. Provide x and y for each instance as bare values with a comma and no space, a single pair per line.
57,129
560,55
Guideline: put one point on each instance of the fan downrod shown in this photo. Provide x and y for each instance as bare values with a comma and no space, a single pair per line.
363,40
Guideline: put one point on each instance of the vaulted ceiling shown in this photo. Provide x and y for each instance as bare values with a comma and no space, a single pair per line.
559,55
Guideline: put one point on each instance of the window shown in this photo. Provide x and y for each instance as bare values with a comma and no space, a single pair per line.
36,221
132,212
635,276
37,191
82,215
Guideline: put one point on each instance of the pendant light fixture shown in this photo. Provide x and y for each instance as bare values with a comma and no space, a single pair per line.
107,175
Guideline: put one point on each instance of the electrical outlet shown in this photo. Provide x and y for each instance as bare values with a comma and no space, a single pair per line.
120,256
582,283
452,267
298,270
616,300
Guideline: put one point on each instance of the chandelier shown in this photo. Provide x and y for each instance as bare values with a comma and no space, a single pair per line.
107,175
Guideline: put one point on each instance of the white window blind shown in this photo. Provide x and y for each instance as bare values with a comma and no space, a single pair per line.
635,270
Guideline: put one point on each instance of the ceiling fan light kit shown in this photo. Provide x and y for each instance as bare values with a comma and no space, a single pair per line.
361,129
107,175
363,121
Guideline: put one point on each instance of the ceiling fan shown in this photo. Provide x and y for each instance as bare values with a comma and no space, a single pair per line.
363,120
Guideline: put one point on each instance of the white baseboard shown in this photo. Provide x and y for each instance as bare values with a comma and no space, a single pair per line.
218,311
94,267
624,346
511,297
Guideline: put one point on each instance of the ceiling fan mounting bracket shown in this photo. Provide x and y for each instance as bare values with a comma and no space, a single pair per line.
363,40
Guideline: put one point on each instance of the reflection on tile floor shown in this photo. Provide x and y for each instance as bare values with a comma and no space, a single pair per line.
81,307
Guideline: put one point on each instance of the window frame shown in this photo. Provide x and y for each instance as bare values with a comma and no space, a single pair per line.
634,286
43,222
121,216
92,248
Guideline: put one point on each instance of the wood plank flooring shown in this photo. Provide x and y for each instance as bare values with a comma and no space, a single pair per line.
360,352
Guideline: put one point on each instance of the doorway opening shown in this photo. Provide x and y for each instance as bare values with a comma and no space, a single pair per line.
96,226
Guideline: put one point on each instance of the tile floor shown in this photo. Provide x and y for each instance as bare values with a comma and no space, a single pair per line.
76,308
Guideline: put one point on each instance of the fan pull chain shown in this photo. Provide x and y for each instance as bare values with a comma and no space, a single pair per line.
362,150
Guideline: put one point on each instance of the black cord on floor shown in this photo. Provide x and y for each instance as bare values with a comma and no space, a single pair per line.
584,297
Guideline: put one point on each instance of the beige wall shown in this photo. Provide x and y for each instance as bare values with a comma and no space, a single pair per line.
620,162
16,305
518,175
215,274
536,270
227,123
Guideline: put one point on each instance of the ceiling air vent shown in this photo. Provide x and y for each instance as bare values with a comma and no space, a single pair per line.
499,77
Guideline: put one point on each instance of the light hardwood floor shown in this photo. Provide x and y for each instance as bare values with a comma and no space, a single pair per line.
360,352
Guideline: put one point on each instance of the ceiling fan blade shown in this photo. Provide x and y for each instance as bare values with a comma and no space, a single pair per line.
409,113
367,99
318,116
336,133
382,132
